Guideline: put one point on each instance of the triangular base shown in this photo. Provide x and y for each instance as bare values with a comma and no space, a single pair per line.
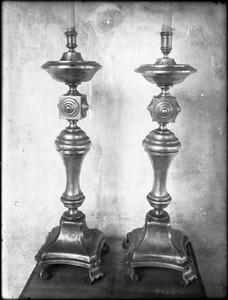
75,244
157,244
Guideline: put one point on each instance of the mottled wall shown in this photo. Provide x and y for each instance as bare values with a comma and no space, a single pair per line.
116,174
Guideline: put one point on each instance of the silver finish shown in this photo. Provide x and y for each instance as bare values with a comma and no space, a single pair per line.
72,242
157,244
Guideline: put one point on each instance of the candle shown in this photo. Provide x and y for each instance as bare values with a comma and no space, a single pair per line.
167,17
70,15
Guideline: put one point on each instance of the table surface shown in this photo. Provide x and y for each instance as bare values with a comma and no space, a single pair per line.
68,282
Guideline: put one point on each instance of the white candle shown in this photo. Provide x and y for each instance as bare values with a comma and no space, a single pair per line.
70,15
167,17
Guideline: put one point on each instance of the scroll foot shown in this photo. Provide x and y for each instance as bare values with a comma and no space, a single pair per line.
126,243
106,248
188,276
95,274
41,271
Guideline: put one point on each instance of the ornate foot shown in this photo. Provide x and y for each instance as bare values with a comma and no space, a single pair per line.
129,270
106,248
125,243
41,271
75,244
95,273
189,275
44,275
157,244
134,276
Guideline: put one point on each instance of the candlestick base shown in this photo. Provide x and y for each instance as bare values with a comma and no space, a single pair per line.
75,244
157,244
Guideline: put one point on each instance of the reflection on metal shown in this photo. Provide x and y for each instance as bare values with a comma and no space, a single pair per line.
72,242
157,244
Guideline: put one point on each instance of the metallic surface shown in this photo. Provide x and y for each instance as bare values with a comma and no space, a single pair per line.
166,42
164,108
165,71
75,244
68,284
71,71
157,244
161,146
73,105
72,242
71,68
165,74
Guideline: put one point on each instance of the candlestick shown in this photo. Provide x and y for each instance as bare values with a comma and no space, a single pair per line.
157,244
72,242
167,17
70,15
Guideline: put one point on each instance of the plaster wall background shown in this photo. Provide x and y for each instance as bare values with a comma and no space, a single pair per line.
116,175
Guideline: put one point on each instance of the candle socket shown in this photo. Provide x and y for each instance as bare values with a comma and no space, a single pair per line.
166,42
71,39
71,54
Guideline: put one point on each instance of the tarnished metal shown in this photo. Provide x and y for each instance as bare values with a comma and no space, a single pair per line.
166,42
71,71
165,72
157,244
71,68
72,242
